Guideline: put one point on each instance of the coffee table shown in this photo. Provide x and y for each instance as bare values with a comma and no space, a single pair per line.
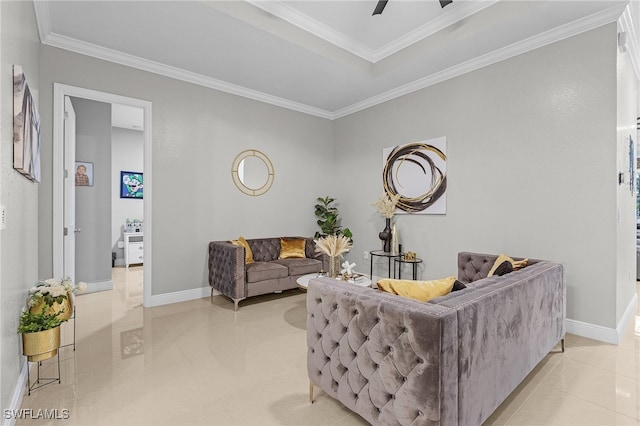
303,281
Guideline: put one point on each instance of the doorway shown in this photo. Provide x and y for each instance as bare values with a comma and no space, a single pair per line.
60,91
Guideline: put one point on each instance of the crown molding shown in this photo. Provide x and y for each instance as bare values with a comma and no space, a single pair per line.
293,16
315,27
539,40
99,52
627,25
461,11
606,16
43,18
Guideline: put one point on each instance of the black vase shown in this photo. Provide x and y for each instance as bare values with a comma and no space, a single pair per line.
385,235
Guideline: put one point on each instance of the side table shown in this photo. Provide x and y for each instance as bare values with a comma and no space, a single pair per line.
382,253
400,260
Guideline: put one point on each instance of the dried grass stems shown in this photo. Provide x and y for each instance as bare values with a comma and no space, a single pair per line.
387,205
333,245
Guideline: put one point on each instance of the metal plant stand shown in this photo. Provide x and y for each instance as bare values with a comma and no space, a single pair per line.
42,381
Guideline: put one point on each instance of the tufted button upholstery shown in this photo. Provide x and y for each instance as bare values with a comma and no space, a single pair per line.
369,358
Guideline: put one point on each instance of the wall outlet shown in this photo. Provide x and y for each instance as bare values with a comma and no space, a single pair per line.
366,255
3,217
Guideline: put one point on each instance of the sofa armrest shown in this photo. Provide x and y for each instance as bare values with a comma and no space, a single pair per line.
392,360
310,252
227,269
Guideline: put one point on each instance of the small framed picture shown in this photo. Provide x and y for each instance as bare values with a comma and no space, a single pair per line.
131,185
84,173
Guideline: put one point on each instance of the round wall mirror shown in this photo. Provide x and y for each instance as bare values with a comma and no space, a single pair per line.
252,172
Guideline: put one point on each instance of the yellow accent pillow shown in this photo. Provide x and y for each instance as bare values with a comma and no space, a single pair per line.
248,254
517,264
292,247
419,290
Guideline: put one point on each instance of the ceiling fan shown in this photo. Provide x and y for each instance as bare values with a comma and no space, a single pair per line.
382,3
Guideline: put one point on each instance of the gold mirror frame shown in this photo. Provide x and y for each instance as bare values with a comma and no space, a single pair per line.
236,177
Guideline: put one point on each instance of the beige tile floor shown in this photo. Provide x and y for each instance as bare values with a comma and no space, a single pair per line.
197,363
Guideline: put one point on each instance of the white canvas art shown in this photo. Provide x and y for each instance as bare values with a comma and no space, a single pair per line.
26,128
418,172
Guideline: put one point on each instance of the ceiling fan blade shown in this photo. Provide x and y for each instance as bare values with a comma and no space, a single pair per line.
443,3
380,7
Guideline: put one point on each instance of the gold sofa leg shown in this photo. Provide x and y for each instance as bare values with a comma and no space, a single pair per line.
310,391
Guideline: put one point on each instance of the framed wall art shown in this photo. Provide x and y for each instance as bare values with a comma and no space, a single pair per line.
418,172
26,128
131,185
84,173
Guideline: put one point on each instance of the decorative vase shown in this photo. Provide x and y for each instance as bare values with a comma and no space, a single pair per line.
63,310
334,266
41,345
385,235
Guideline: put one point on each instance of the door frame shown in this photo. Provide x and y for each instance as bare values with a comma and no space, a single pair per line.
59,92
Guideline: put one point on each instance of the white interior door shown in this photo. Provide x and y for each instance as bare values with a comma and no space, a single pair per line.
69,190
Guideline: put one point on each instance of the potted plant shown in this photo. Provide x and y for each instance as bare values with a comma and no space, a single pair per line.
54,296
328,219
49,303
40,334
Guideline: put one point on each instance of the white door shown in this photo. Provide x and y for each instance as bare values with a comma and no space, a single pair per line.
69,190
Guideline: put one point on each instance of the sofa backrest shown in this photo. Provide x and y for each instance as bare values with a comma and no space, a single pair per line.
507,325
476,266
268,249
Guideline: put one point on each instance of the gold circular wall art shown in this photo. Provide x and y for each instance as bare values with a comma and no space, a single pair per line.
252,172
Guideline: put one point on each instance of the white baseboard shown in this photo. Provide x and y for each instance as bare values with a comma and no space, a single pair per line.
604,334
16,398
99,286
180,296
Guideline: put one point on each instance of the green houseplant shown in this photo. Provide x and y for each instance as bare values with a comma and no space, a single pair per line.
328,219
40,334
49,303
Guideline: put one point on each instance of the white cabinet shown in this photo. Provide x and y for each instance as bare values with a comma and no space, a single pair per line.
133,248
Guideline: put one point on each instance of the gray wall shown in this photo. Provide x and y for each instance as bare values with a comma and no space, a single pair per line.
531,167
19,44
93,203
197,133
127,154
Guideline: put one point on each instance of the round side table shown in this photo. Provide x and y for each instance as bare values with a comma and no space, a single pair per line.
382,253
400,260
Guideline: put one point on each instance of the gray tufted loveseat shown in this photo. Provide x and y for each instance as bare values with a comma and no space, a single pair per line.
450,361
229,274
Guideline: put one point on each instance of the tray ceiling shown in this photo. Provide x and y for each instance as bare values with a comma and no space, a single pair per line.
327,58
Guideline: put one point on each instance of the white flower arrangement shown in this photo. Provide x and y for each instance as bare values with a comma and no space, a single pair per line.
387,205
52,291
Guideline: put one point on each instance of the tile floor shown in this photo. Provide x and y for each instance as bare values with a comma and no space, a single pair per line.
197,363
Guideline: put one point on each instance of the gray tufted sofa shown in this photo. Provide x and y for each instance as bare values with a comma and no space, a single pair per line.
450,361
229,274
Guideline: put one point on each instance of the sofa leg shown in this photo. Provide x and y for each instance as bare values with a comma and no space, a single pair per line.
310,391
562,344
235,303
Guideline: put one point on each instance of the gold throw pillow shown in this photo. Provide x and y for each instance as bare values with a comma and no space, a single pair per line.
248,254
517,264
419,290
292,247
